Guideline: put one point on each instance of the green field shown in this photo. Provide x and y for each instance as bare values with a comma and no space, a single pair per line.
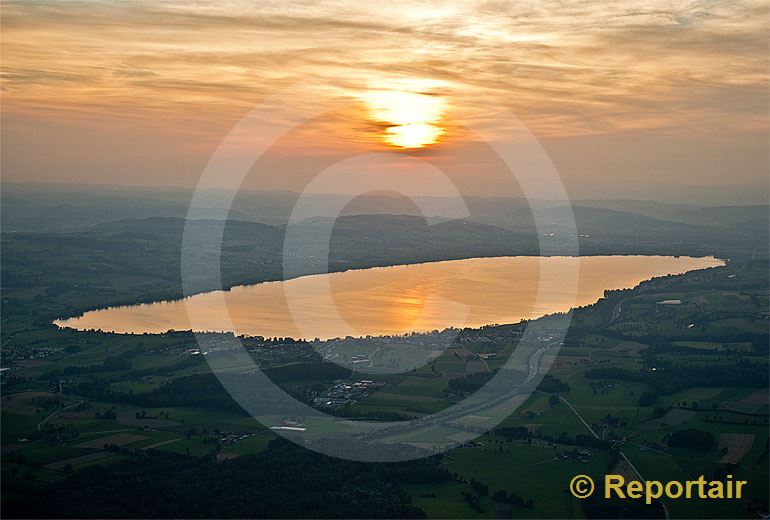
635,378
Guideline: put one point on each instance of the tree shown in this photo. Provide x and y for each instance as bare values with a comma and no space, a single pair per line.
648,398
691,438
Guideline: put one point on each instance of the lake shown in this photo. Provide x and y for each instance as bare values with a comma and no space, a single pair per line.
397,299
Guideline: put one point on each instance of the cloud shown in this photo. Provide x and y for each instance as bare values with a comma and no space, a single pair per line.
565,67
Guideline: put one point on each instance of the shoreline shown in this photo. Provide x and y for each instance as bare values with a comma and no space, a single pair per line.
62,323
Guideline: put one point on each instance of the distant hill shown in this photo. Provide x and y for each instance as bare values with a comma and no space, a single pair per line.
722,215
648,208
145,253
369,232
63,208
48,212
381,239
604,221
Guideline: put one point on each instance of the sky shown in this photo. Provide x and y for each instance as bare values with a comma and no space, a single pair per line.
627,98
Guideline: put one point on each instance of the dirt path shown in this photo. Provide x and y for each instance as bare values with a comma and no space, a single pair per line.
41,423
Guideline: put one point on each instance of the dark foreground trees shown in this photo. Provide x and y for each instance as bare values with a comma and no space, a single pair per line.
693,439
285,481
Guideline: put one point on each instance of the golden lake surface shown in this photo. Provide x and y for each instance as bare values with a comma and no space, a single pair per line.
397,299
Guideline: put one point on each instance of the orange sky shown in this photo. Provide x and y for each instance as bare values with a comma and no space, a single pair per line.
620,92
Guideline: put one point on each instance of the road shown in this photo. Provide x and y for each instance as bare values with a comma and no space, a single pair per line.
445,417
625,458
41,423
588,426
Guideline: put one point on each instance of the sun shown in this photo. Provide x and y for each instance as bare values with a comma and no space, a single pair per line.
413,119
416,135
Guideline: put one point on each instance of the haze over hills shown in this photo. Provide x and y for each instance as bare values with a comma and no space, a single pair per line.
146,251
41,207
86,235
722,215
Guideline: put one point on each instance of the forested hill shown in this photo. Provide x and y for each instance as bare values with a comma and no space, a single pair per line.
134,260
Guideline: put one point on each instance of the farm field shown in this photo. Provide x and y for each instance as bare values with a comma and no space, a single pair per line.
613,390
